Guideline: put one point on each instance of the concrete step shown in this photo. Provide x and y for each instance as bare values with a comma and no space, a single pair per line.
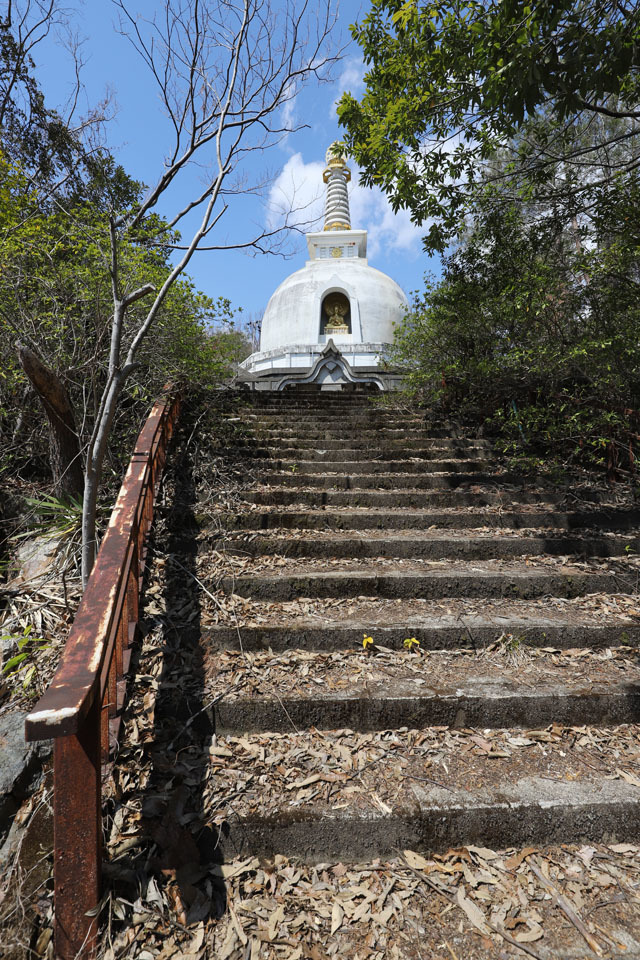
362,436
334,410
387,689
298,464
308,415
407,519
509,628
398,497
336,401
403,582
325,400
345,408
497,484
357,427
431,459
392,905
366,421
429,547
315,400
342,795
417,446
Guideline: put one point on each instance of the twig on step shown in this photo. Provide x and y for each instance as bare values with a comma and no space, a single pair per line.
566,908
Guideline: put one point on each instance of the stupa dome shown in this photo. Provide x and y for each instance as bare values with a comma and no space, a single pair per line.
295,312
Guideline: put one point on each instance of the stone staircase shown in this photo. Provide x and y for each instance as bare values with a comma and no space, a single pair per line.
493,609
433,791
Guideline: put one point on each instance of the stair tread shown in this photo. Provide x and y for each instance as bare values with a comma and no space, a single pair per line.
433,544
395,908
419,513
464,517
284,566
345,464
534,509
390,686
387,434
420,788
528,534
344,452
531,566
395,491
496,615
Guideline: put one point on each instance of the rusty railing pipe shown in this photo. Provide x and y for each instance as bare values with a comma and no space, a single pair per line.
81,700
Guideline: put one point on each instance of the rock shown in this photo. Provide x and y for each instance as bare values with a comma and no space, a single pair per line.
8,648
35,559
20,765
25,872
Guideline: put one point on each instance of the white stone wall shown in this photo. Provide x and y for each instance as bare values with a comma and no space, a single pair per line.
302,357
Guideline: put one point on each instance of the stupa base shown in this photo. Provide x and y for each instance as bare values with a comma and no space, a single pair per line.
320,366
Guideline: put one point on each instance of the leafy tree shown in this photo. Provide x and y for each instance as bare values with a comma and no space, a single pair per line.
53,149
56,300
511,130
224,71
536,335
450,84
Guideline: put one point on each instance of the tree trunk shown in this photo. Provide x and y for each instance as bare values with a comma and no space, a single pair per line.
64,447
17,430
95,459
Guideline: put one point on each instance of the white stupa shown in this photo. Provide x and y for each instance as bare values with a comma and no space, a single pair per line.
329,323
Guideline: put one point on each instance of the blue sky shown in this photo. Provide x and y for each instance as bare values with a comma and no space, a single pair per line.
138,138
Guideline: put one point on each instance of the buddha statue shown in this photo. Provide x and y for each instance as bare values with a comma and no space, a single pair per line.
336,313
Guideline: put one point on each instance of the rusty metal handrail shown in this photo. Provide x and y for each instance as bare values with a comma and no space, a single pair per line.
85,696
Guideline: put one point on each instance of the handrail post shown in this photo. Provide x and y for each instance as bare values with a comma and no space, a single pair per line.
77,817
132,590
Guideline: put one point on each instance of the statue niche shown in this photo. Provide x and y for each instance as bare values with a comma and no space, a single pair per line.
335,315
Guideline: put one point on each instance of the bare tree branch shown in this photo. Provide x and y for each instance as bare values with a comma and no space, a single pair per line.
223,69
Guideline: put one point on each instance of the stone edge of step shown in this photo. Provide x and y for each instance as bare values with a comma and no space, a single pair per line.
551,812
481,705
433,635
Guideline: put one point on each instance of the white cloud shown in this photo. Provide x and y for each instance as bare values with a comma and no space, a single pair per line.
297,195
350,80
288,116
299,191
387,231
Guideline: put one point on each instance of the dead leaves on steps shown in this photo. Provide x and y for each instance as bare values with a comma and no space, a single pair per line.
470,903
